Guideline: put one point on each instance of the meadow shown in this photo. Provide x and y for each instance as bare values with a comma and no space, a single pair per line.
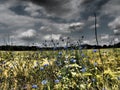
83,69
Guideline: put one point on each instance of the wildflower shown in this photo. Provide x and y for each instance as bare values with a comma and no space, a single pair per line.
44,82
23,88
37,63
83,70
46,65
57,81
82,37
65,47
93,80
59,76
3,62
73,60
103,88
95,50
60,53
118,78
41,68
82,55
34,86
95,64
11,67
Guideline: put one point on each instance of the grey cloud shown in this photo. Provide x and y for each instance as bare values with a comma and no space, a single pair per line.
53,6
111,8
115,24
27,36
61,28
105,37
92,6
93,26
78,26
67,9
117,32
70,8
96,4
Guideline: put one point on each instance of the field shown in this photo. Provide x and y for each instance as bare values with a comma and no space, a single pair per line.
60,70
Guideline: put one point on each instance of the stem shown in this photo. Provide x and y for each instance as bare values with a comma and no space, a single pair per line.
96,30
96,37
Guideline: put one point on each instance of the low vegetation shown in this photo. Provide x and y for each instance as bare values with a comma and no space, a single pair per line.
60,70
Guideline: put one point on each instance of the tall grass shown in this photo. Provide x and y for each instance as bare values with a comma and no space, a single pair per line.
59,70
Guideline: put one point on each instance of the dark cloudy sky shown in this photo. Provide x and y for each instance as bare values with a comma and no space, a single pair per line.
33,21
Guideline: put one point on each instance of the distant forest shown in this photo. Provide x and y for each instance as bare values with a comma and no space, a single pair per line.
34,48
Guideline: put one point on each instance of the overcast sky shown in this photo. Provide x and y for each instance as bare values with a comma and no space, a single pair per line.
33,21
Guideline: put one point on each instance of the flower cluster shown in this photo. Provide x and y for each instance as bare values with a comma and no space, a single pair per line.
44,82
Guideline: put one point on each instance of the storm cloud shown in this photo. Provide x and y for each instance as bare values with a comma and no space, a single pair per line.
54,7
36,20
70,8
